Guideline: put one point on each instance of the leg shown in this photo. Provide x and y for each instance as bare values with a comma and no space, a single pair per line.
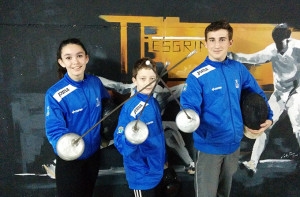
260,143
174,140
145,193
207,174
293,110
78,177
91,169
69,178
229,167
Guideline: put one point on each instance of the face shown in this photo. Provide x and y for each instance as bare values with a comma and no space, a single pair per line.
282,45
74,59
144,77
217,44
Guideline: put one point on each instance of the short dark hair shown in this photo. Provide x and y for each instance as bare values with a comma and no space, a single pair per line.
217,25
281,32
61,71
140,64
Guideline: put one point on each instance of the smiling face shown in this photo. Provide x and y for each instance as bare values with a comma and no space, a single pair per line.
74,59
144,77
217,44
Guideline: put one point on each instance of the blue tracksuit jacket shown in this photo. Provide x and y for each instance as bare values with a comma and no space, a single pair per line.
143,163
74,107
213,90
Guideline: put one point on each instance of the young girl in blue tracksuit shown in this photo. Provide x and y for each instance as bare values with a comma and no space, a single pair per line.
73,105
143,163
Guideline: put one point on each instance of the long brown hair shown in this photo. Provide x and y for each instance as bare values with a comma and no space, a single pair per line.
61,71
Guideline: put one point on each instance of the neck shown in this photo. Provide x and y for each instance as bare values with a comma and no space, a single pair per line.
76,78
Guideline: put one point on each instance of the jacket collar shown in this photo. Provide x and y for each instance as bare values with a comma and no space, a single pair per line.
143,97
75,83
215,63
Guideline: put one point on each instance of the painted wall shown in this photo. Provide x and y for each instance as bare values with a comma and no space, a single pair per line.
116,33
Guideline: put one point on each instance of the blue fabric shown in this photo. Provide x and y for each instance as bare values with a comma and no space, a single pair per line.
75,107
213,90
143,163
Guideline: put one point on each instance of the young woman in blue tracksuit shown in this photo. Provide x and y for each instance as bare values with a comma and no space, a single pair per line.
213,90
73,105
143,163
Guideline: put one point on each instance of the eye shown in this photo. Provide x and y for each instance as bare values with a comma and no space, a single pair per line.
68,58
80,56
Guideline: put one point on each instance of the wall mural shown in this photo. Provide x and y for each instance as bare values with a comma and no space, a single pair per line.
272,58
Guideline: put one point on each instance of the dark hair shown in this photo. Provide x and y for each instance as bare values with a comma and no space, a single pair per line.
141,63
281,32
217,25
61,71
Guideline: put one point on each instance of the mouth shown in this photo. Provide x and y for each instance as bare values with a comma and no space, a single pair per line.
149,89
219,51
77,68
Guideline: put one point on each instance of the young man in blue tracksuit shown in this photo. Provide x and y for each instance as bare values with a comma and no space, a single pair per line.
143,163
73,105
213,90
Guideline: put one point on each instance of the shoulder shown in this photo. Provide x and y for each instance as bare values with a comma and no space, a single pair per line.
61,84
131,103
294,43
92,78
94,81
201,70
232,62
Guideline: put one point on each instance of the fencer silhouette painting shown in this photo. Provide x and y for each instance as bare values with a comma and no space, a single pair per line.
269,165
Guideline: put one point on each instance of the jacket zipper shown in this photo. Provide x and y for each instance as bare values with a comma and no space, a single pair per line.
90,136
226,83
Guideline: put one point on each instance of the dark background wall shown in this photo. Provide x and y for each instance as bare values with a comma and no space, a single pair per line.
30,32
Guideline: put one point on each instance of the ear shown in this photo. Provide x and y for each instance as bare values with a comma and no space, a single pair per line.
133,80
61,63
87,59
205,44
230,43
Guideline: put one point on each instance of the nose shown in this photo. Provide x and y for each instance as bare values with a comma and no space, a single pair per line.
74,60
149,81
217,45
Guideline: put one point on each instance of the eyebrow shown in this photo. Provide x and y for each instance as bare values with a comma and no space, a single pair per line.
68,54
219,37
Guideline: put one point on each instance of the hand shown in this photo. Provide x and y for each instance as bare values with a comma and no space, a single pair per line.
263,127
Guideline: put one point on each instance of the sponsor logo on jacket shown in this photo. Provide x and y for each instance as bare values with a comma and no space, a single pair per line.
202,71
184,87
237,84
151,122
77,110
137,109
120,130
97,102
216,88
63,92
48,111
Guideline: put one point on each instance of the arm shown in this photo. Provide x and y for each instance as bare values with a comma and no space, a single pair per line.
121,143
104,92
191,95
250,84
55,124
260,57
117,86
